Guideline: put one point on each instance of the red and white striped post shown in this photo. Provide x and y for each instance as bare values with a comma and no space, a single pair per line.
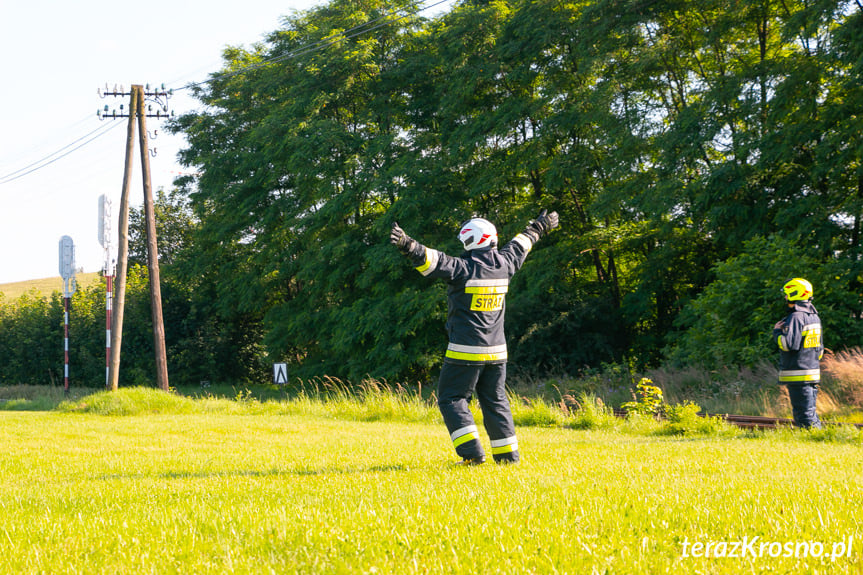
109,305
105,240
67,272
66,343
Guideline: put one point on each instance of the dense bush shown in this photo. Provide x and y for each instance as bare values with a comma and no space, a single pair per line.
199,347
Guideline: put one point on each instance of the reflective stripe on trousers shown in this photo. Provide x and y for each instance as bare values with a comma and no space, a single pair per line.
463,435
505,445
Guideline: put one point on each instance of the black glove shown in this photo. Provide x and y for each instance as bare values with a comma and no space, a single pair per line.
543,224
401,240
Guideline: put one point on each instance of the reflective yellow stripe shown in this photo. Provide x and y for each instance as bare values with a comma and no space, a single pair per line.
493,286
781,343
486,289
804,375
507,445
523,241
475,356
476,352
463,435
465,438
430,263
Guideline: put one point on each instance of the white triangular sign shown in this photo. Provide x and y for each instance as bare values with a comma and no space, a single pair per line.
280,373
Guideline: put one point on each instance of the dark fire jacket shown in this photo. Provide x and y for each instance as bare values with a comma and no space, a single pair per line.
800,345
476,297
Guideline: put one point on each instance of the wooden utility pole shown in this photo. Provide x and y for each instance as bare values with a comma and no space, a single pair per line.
138,112
122,253
152,250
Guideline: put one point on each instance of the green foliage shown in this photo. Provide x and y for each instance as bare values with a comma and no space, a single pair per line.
648,399
730,322
684,419
590,413
31,340
174,227
674,141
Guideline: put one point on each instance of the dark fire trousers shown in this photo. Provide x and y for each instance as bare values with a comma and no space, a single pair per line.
456,387
803,398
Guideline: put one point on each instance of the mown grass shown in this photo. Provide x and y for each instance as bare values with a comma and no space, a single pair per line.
140,481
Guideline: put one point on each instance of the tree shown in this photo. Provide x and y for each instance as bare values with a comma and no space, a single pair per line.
673,137
175,225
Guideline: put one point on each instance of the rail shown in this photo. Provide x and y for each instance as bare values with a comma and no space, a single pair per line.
754,421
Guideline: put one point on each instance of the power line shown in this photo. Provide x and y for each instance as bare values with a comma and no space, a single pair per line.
11,177
10,174
318,45
322,43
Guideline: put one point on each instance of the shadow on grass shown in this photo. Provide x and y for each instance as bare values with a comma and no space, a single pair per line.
256,473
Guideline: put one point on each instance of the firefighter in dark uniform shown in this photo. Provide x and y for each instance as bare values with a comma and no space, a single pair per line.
800,351
475,359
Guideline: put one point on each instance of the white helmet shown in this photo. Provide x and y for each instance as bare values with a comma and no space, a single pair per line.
477,233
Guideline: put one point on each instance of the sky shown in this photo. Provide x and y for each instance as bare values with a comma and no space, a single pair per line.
55,55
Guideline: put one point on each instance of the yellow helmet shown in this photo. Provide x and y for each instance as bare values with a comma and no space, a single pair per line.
797,289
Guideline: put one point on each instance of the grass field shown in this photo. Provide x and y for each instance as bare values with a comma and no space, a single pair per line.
46,286
218,486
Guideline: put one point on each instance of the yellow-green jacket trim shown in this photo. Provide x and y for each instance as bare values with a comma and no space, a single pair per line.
479,353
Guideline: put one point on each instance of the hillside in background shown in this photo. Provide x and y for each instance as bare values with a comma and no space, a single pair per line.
47,286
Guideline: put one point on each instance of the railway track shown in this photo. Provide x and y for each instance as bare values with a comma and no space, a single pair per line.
758,422
755,421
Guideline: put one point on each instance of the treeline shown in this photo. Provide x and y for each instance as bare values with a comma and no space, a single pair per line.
200,346
699,154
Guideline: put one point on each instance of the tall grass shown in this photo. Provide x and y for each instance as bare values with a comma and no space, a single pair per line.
372,400
843,376
327,397
381,403
36,397
737,390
